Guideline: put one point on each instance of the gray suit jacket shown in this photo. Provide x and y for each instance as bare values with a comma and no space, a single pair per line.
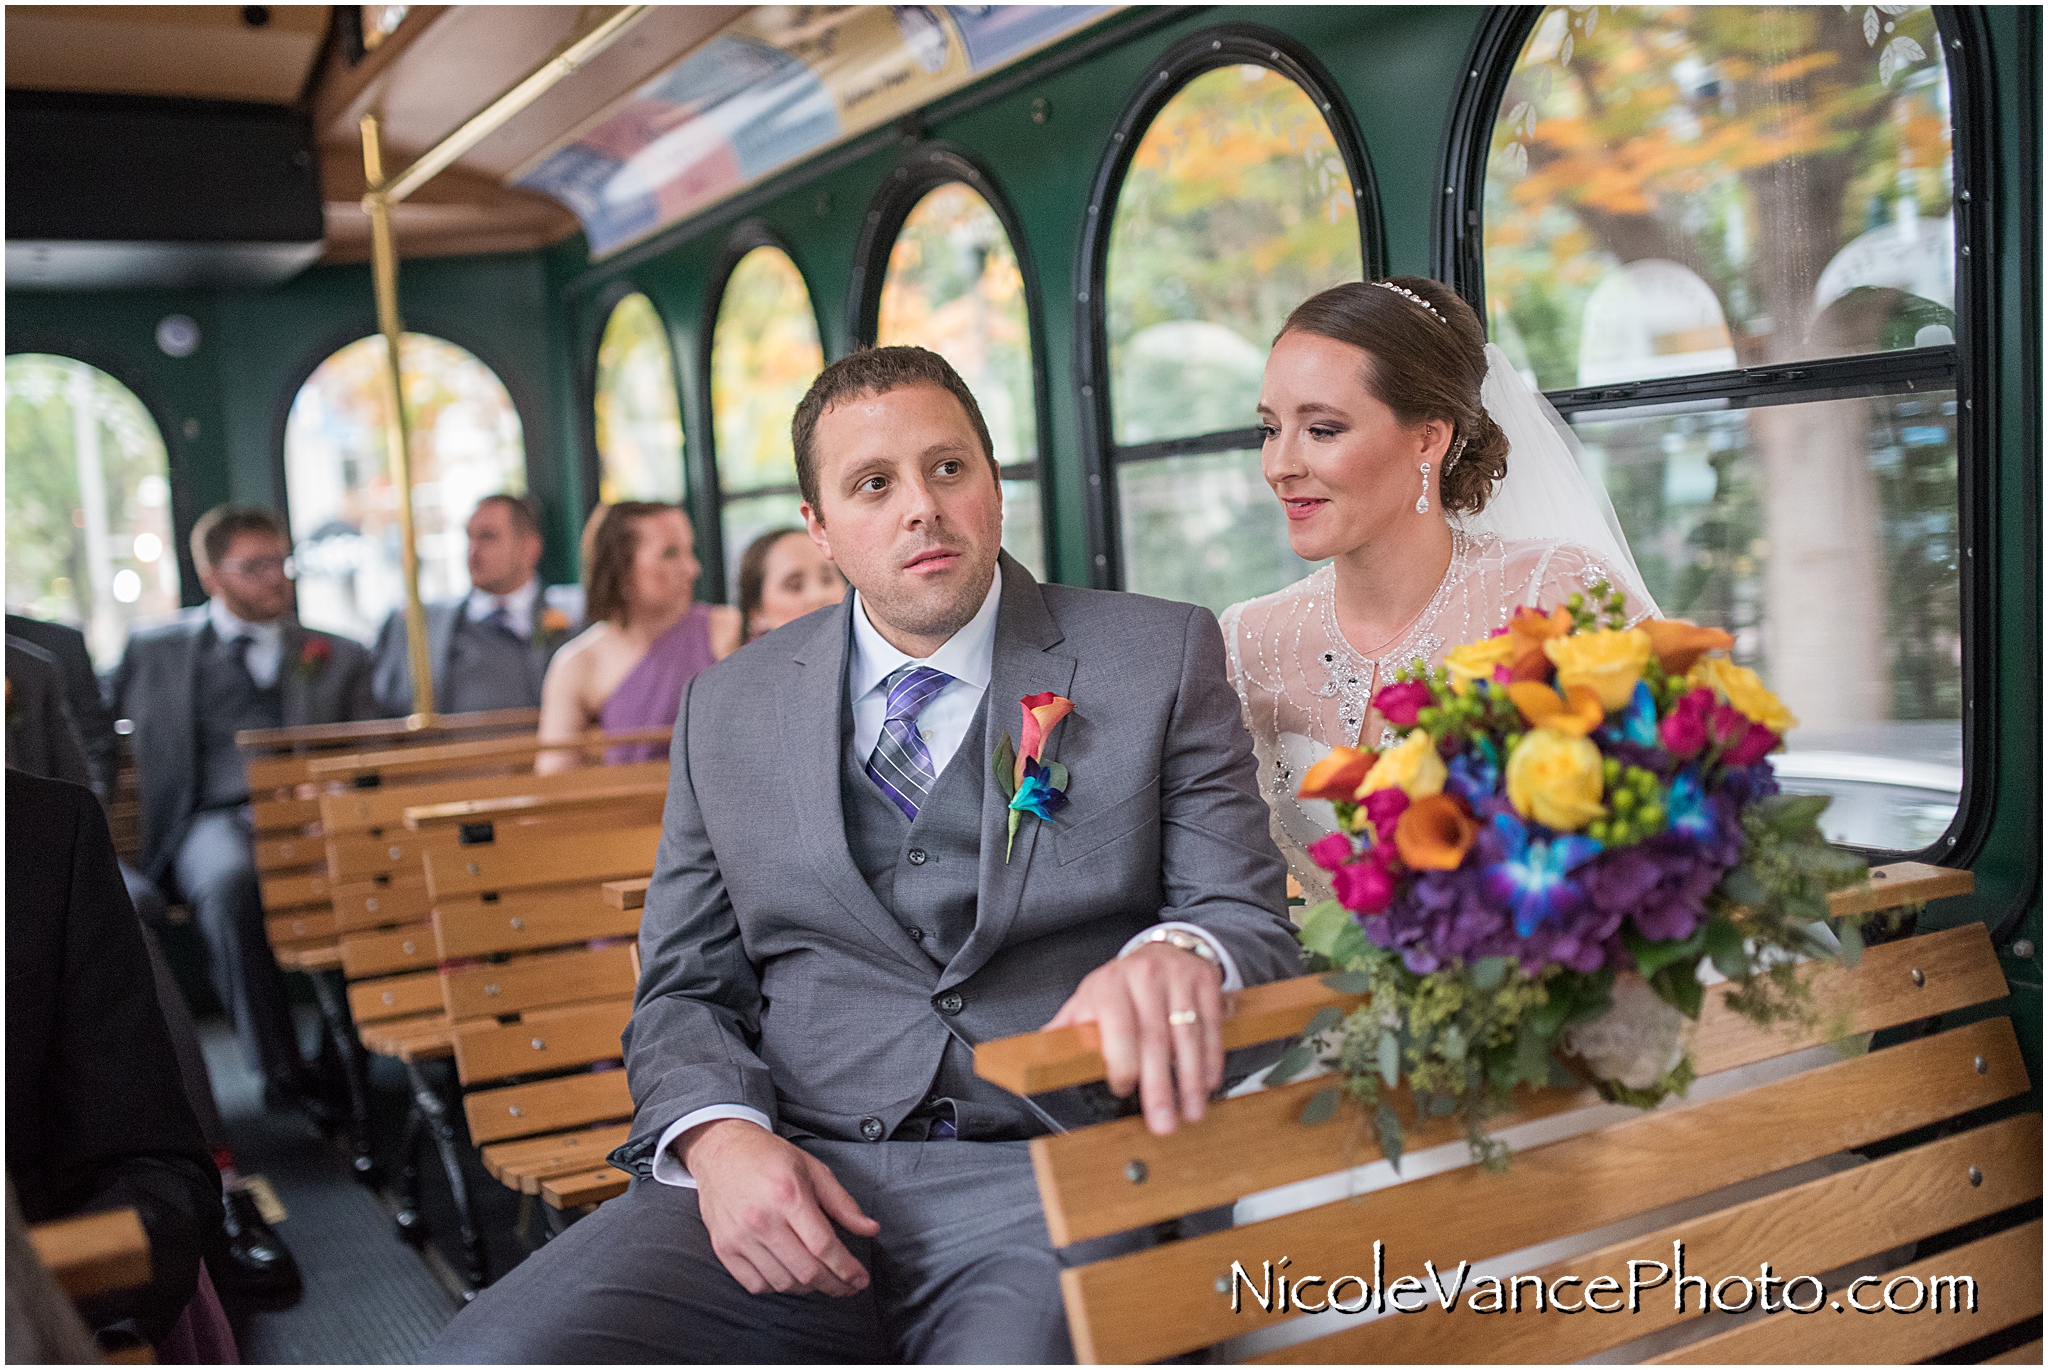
393,678
154,686
772,976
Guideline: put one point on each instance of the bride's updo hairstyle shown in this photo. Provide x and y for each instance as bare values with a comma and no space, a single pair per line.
1423,362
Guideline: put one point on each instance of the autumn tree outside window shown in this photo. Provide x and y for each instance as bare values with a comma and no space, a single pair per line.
1238,203
1723,240
765,353
639,418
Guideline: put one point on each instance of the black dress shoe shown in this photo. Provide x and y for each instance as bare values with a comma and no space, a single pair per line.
259,1265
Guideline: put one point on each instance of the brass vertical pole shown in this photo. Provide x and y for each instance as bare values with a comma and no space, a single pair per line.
384,272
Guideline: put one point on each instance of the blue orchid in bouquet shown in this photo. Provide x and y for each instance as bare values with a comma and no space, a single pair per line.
1571,799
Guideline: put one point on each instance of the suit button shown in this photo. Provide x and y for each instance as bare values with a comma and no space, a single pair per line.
949,1003
917,856
916,934
872,1129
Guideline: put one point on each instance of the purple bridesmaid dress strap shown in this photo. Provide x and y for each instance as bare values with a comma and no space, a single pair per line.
653,690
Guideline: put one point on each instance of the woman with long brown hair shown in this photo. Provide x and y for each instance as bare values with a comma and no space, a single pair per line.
647,633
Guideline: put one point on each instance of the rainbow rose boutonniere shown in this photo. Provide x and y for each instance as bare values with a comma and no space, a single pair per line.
1031,785
313,656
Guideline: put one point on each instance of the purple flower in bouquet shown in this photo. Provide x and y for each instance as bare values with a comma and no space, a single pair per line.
1744,785
1474,775
1660,885
1534,876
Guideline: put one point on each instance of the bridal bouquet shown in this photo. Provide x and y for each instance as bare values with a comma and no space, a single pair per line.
1576,816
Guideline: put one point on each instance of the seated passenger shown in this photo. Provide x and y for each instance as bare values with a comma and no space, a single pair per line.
838,916
647,635
784,576
190,685
491,648
67,649
95,1116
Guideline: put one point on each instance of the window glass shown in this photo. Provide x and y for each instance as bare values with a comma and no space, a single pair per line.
764,355
1235,209
1687,189
1205,529
953,285
89,537
466,443
1824,536
639,421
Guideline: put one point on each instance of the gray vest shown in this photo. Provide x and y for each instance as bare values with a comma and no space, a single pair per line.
488,668
227,702
927,873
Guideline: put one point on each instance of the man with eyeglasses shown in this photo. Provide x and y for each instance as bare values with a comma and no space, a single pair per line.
241,661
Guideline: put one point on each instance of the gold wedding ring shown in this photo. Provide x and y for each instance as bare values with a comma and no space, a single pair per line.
1183,1017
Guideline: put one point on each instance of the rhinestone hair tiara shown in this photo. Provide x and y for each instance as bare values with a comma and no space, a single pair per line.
1403,290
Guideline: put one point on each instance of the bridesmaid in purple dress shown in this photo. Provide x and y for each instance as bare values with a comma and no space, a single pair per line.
647,635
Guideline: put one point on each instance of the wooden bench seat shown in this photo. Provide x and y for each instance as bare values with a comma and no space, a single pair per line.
1919,1108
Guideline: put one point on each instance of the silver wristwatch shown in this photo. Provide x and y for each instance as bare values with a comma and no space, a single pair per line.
1186,941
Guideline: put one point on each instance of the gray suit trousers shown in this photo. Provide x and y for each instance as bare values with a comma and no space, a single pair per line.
962,1272
215,868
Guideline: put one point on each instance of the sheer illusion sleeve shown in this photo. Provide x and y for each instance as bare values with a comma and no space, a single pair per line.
1568,568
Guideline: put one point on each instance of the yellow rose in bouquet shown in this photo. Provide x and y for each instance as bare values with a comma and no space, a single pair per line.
1607,661
1555,779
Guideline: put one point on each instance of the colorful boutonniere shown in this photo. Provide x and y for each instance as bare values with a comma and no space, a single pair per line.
313,656
554,626
1030,785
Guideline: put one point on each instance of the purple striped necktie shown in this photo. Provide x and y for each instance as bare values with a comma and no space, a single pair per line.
901,763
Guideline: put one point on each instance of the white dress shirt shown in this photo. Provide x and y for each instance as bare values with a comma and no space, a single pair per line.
969,657
518,606
266,641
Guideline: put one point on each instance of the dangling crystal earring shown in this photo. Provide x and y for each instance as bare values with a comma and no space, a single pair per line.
1422,501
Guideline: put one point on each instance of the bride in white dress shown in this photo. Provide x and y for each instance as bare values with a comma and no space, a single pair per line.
1442,492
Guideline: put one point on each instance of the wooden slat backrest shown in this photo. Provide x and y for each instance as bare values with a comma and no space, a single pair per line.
608,798
365,954
543,1040
295,890
2005,1269
394,996
363,904
1904,1197
1082,1173
383,808
523,1165
593,1186
626,894
301,926
497,1115
358,854
538,981
456,756
528,921
94,1252
358,735
574,857
1166,1301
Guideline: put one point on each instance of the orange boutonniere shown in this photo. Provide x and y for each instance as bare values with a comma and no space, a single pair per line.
1031,786
554,625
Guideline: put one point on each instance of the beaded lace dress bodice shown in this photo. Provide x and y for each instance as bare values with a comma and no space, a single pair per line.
1305,689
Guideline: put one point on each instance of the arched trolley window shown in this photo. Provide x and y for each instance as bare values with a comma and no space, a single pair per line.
1723,240
1235,188
764,355
89,532
467,443
639,417
951,281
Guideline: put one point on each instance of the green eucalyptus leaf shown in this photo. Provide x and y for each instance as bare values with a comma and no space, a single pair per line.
1387,1125
1725,949
1452,1043
1351,944
1791,815
1321,1108
1004,764
1324,1020
1532,1057
1296,1059
1679,986
1390,1059
1653,957
1057,775
1348,982
1742,887
1489,971
1852,942
1321,926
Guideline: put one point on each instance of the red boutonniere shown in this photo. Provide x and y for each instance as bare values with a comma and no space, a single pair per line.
1030,786
313,656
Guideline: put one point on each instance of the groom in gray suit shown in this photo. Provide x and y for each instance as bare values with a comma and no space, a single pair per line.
839,914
